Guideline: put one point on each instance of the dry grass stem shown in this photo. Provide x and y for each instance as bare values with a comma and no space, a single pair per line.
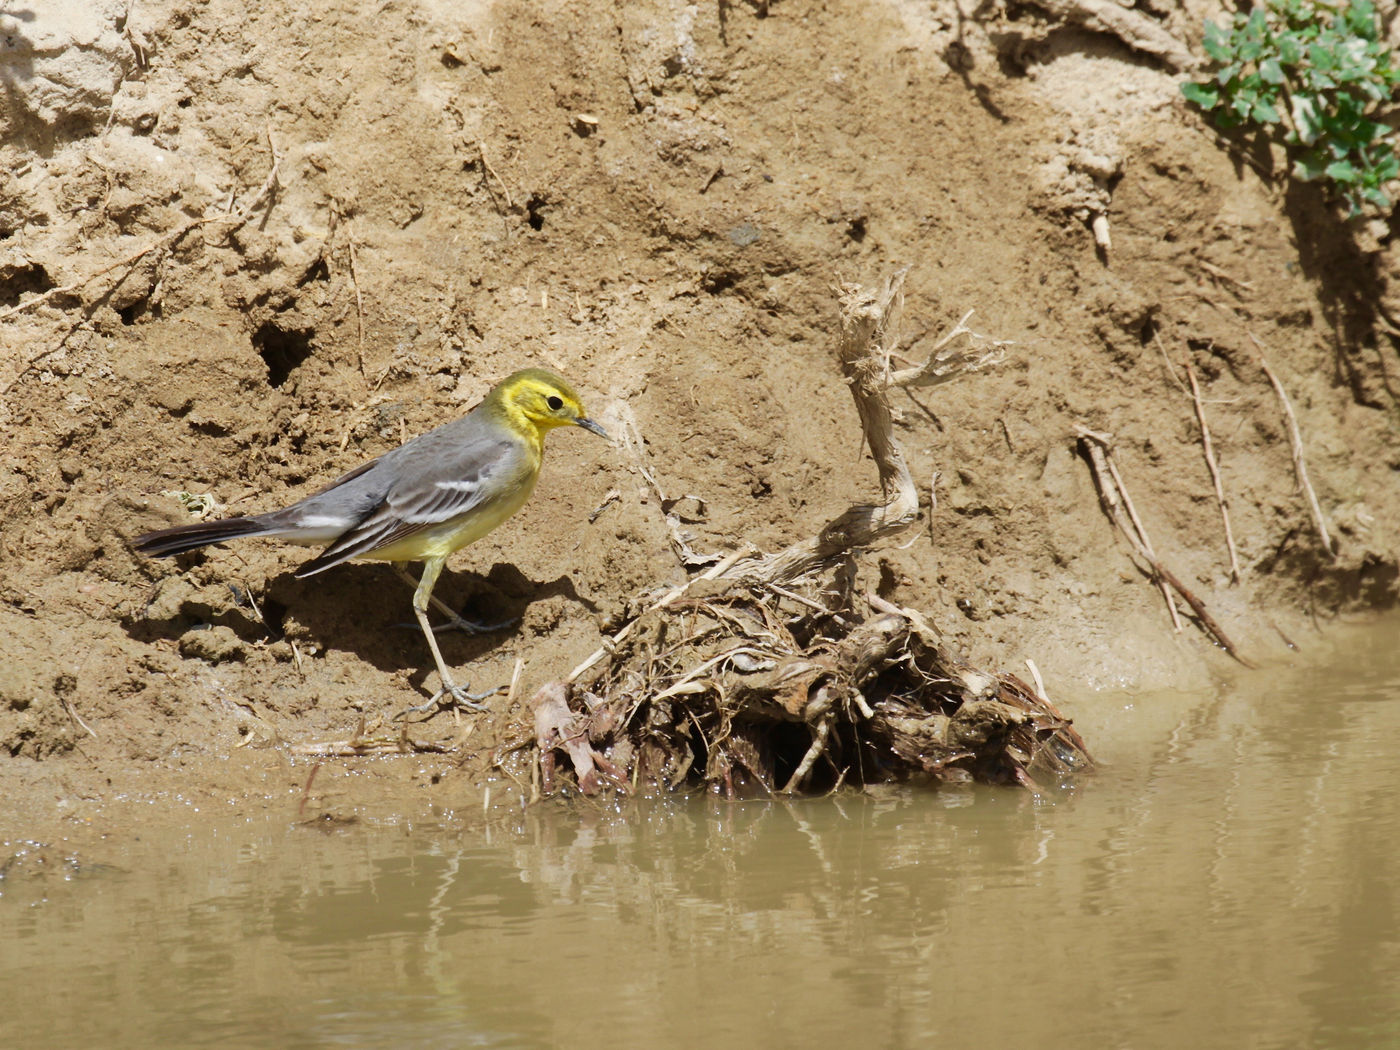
1295,439
680,537
1214,468
359,303
1096,448
945,365
485,163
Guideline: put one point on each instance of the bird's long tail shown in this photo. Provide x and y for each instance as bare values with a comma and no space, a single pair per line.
164,542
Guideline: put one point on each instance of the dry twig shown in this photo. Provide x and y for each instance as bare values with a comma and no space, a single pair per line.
1214,473
945,365
1296,442
1115,498
481,148
359,301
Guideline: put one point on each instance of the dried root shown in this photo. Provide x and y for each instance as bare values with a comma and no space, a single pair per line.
763,675
743,691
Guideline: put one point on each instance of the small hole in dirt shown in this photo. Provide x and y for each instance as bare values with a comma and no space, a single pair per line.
185,103
273,614
282,350
1149,329
534,214
317,271
129,314
855,230
719,281
16,281
789,741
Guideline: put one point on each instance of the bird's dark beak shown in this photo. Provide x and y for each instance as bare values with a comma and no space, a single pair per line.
591,427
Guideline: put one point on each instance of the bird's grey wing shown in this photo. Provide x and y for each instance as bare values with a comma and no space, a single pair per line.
436,478
341,505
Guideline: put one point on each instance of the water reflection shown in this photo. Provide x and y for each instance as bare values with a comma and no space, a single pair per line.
1226,881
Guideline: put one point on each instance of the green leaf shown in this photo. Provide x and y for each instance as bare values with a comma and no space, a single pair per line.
1207,96
1368,131
1336,146
1305,118
1342,171
1216,45
1264,112
1307,168
1321,56
1226,74
1377,197
1270,71
1360,18
1385,168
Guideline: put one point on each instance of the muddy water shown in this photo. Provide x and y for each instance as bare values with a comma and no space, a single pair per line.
1228,880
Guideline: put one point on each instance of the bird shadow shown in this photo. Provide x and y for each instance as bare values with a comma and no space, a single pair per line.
367,609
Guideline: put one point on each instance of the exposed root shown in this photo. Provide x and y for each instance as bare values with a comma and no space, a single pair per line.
369,740
764,675
945,364
1295,440
730,690
1209,448
1113,494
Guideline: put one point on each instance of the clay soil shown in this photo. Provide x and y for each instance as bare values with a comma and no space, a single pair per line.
659,200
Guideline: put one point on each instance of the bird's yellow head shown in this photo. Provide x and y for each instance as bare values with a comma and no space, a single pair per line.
537,399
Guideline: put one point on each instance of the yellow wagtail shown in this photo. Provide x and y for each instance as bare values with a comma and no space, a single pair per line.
420,502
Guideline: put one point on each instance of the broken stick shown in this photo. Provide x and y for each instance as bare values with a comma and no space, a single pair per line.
1295,439
1114,497
1214,473
868,320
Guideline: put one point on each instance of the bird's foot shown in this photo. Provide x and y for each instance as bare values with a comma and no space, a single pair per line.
458,623
450,698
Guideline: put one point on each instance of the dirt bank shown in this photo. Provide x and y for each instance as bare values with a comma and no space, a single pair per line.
326,228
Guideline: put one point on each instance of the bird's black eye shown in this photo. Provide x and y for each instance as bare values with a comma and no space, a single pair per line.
554,403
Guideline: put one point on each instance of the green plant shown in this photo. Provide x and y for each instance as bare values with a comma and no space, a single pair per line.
1312,75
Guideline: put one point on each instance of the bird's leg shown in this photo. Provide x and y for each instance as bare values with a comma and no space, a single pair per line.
455,621
458,694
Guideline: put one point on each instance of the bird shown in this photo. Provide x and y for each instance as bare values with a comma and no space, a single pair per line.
422,502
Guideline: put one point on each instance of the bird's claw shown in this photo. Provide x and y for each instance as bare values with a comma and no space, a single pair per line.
458,623
455,697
